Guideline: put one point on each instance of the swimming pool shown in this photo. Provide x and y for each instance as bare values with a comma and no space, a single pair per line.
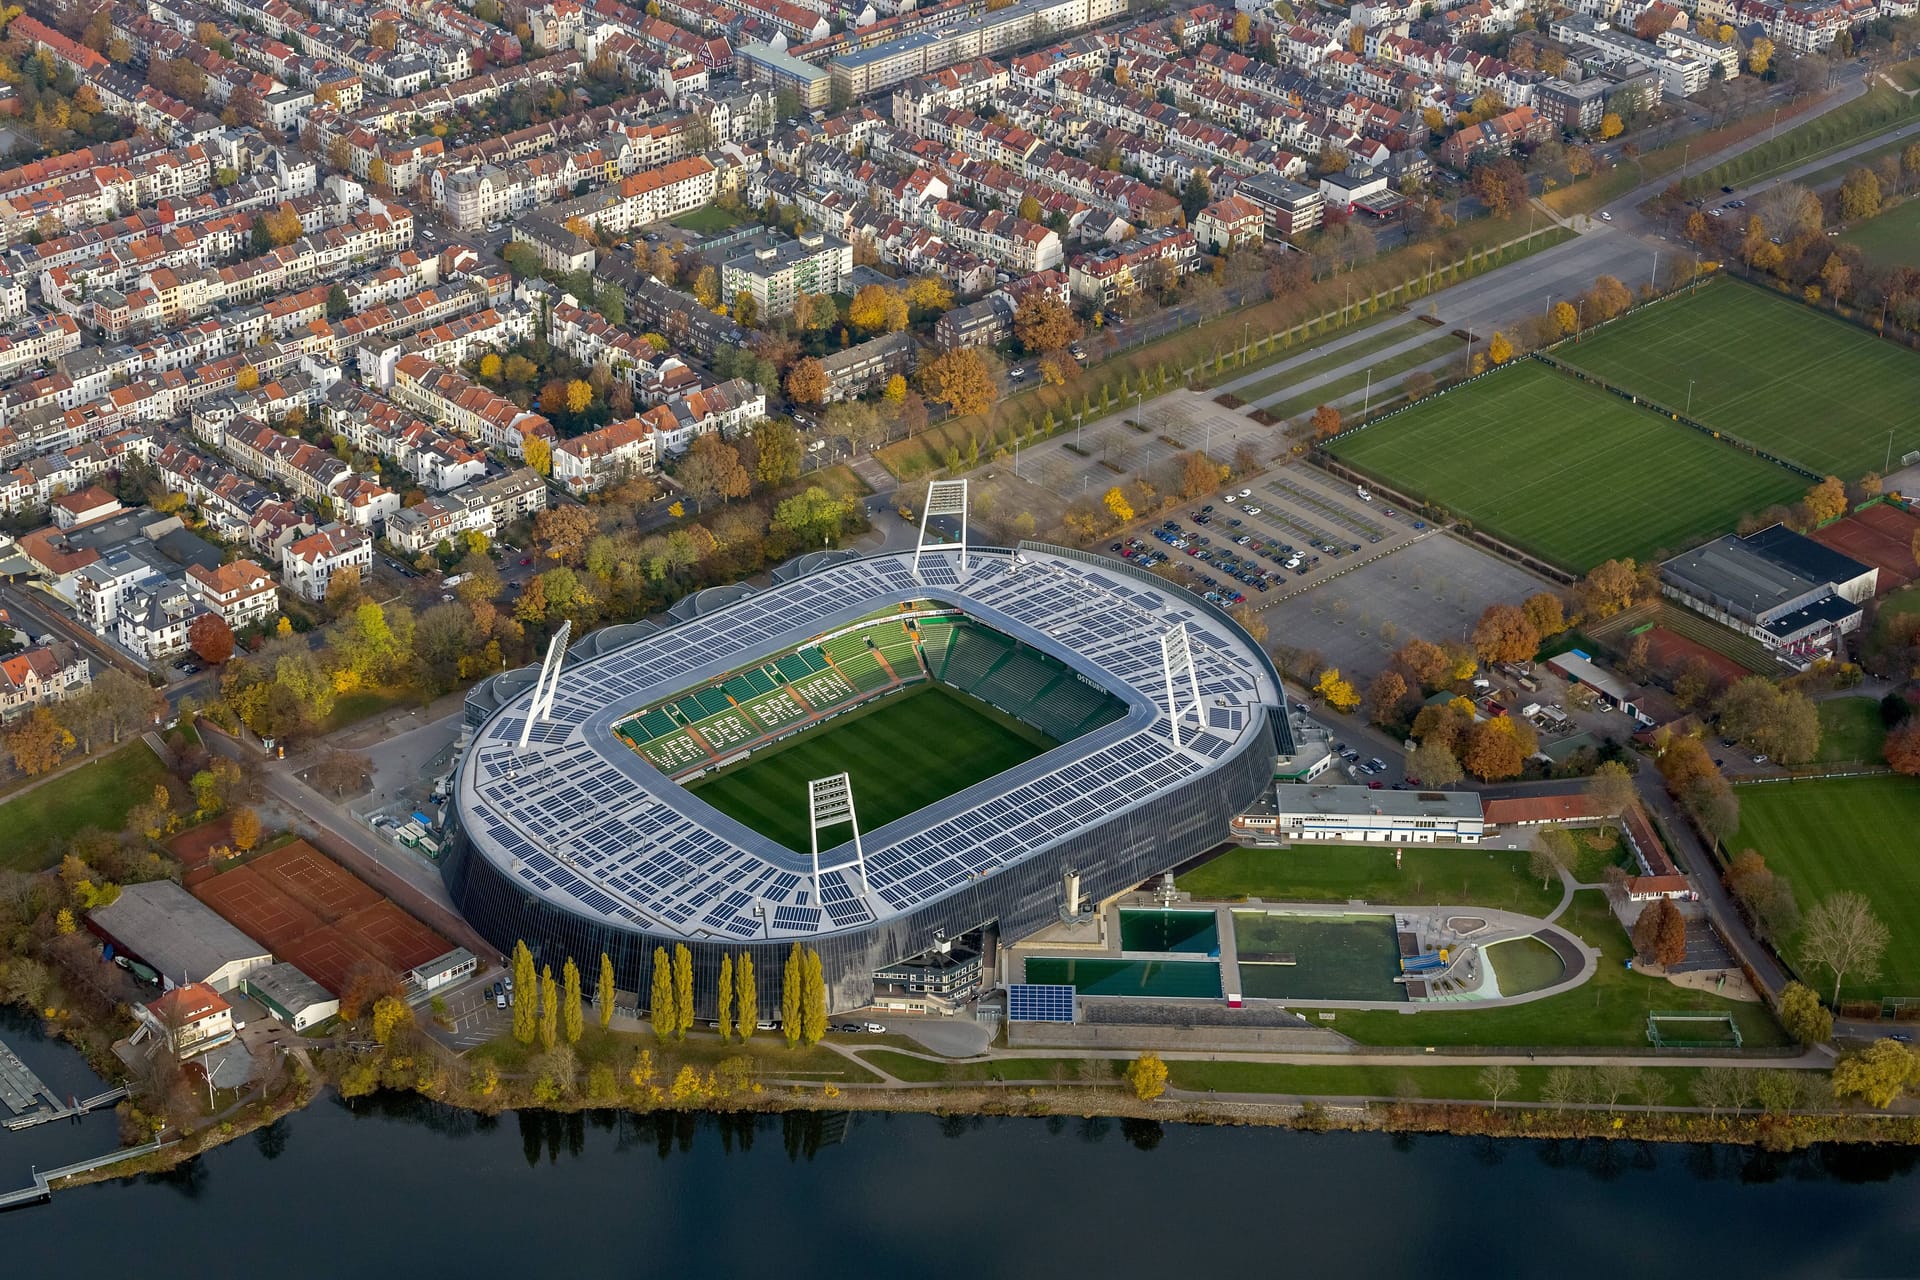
1191,979
1317,957
1195,931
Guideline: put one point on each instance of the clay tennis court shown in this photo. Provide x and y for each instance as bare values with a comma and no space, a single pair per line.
1882,536
1670,651
311,912
194,847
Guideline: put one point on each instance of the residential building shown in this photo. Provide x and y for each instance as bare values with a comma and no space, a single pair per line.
188,1020
775,276
240,592
41,675
1229,224
307,566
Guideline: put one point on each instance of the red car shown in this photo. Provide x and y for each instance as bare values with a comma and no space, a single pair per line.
526,559
1375,785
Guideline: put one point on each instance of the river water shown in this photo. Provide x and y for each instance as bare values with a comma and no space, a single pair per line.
401,1186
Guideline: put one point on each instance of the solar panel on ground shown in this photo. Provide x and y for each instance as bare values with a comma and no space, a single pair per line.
1039,1002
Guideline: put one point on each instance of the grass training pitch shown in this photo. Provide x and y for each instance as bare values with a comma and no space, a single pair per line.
1566,470
1892,239
1786,378
903,752
1841,834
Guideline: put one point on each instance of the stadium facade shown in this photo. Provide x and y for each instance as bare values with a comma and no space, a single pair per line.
579,845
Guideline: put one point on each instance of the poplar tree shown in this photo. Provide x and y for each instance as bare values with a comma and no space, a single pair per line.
749,999
723,1002
813,1006
575,1021
661,1010
549,1008
682,990
526,997
603,997
790,997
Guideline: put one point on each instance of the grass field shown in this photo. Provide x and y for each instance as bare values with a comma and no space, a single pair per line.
1610,1008
1892,239
94,795
1566,470
1851,729
1768,370
1845,834
1414,1080
1381,376
903,752
1342,873
710,219
1875,111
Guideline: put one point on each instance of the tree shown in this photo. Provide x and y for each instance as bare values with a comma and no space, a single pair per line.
1497,748
526,987
661,1012
573,1020
1660,933
1387,698
813,998
723,1012
549,1009
747,999
1434,764
1562,1087
929,294
1044,323
1767,898
1826,500
1116,502
603,995
960,380
1842,935
1546,612
211,638
243,828
711,468
1505,634
1803,1016
38,742
1326,421
706,288
1760,55
1498,1081
1335,691
790,998
1612,791
813,515
1500,350
1782,723
1147,1076
1902,748
1608,588
1552,853
877,309
579,396
1610,126
682,990
1878,1074
776,453
807,382
1198,473
1722,1089
1565,317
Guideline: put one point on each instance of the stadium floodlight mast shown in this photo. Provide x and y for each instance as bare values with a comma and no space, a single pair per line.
541,708
944,498
1176,659
830,803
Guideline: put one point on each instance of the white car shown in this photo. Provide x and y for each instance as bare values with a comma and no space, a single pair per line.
1360,491
1246,493
876,1028
1251,510
1605,216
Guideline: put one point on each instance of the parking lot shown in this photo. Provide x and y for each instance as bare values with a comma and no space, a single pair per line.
1434,586
473,1018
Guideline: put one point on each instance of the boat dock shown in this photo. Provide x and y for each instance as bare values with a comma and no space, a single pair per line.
71,1111
20,1089
40,1190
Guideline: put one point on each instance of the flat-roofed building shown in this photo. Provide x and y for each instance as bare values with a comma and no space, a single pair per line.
1785,590
1359,815
291,996
180,937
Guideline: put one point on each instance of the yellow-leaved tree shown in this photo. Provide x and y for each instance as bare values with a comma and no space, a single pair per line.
1117,503
1336,691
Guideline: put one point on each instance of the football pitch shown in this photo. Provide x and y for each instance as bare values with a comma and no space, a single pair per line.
1840,834
902,752
1566,470
1786,378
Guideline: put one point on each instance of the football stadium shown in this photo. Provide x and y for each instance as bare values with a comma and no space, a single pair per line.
877,762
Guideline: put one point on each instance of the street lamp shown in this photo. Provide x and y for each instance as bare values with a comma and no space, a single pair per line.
1689,395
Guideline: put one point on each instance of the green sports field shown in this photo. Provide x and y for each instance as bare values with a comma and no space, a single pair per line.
1566,470
1784,377
1845,834
1892,239
903,752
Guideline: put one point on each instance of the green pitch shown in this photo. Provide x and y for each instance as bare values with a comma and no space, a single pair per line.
903,753
1892,239
1566,470
1783,377
1845,834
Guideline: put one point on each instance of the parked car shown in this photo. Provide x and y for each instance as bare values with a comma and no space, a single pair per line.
876,1028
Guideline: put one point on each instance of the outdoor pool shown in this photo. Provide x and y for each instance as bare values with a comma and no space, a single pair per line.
1194,931
1189,979
1334,957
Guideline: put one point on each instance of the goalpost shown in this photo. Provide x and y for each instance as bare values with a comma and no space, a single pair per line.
1176,660
944,498
830,803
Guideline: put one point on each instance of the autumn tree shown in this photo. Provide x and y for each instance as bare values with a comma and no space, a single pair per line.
243,828
1198,474
1044,323
1546,612
1803,1016
1147,1076
682,990
1336,691
807,382
1326,421
791,997
1505,634
1611,792
711,468
1116,502
660,1013
1565,317
1902,748
878,309
603,995
929,294
1843,935
723,1007
1760,55
813,998
1660,934
1387,698
1500,350
1606,299
1611,126
1826,500
572,1017
747,998
960,380
1781,723
1497,748
776,453
37,742
1434,764
1609,587
1877,1074
210,638
549,1009
526,989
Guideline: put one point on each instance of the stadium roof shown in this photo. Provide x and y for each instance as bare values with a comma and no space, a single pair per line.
586,823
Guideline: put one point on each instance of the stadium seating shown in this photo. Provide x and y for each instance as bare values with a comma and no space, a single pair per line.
936,637
864,671
972,656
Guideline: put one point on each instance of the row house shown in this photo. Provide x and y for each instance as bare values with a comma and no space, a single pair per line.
483,508
309,564
677,316
240,592
1110,274
590,338
447,397
37,481
965,85
403,316
41,676
1522,126
453,343
917,250
38,342
591,462
436,459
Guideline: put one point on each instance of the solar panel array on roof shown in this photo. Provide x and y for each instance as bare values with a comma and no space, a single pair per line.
582,818
1039,1002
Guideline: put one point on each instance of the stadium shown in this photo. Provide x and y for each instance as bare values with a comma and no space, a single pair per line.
875,756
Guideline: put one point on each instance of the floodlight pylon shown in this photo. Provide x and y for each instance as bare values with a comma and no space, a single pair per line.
944,498
541,708
1176,660
830,803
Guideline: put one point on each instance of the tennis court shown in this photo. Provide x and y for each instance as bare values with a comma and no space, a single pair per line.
256,907
1880,535
316,881
394,936
326,955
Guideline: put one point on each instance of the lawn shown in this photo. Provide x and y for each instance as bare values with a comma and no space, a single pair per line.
1380,376
903,752
1768,370
1521,965
1392,334
904,1066
1610,1008
1892,239
1413,1080
772,1059
1851,729
1343,873
708,220
1566,470
99,794
1875,111
1845,834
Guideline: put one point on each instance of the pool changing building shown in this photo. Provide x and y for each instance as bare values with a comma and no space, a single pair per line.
1358,815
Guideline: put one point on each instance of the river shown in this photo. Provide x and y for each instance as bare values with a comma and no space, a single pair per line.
399,1185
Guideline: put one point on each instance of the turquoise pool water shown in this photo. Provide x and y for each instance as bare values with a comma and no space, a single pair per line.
1107,977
